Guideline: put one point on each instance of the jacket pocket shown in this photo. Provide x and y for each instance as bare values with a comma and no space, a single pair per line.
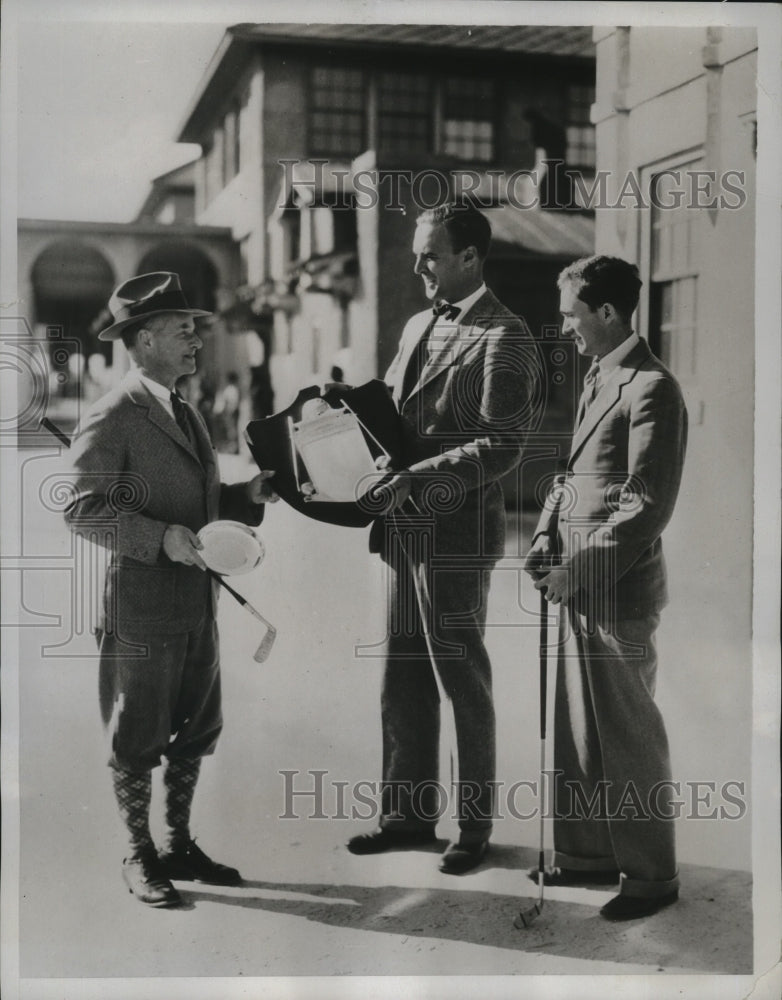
139,593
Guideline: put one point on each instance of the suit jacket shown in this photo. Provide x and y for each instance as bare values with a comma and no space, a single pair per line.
609,509
463,424
135,472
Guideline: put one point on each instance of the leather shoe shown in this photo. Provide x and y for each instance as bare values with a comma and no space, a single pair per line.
632,907
573,876
385,839
144,879
459,858
188,863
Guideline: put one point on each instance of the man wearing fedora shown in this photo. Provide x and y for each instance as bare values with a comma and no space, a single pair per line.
145,482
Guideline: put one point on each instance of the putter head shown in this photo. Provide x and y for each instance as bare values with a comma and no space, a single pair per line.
526,917
262,652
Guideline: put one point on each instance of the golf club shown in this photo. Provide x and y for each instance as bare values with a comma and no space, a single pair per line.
265,647
527,916
263,650
52,428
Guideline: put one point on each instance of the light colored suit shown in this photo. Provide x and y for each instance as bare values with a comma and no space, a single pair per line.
464,422
135,472
606,515
462,427
610,507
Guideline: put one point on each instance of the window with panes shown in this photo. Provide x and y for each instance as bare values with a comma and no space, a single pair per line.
404,112
673,285
468,108
337,111
579,131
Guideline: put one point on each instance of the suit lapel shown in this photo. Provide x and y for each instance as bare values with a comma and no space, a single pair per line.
608,396
156,413
463,336
205,447
408,348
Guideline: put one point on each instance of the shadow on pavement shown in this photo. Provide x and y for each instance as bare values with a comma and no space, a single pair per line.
705,931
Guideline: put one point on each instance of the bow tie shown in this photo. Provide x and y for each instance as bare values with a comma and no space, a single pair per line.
446,310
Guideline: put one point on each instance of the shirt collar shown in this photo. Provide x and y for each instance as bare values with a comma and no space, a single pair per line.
614,358
464,305
158,391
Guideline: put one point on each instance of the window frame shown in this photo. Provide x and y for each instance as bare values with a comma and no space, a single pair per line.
312,108
692,159
570,122
494,118
429,116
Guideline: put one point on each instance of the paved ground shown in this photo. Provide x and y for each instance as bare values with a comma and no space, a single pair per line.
308,908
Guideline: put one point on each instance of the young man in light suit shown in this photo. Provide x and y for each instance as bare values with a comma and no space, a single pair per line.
463,383
145,481
601,527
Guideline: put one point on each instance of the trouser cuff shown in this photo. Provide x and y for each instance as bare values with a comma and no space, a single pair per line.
647,889
581,864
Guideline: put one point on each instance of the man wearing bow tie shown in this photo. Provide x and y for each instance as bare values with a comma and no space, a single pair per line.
601,527
145,482
463,383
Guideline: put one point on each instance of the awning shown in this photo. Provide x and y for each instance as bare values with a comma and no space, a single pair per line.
524,231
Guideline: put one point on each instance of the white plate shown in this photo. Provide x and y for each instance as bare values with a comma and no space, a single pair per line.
230,548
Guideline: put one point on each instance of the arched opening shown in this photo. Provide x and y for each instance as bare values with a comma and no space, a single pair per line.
72,282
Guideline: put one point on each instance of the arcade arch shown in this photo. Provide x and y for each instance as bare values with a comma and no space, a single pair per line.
71,283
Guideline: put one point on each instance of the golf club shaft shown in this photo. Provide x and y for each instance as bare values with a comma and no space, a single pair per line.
238,597
55,430
542,653
526,917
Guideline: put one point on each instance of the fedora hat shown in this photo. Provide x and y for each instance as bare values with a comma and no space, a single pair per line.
143,296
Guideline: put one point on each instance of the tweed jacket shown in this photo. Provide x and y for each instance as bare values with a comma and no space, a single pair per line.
608,511
134,473
463,424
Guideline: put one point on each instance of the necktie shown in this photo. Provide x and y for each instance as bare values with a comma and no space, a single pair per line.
180,415
591,389
421,353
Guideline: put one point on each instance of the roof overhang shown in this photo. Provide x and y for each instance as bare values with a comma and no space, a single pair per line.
535,231
535,45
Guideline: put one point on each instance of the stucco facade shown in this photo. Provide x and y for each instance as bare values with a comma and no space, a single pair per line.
680,104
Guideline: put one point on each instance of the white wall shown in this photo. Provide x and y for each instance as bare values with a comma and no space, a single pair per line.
658,76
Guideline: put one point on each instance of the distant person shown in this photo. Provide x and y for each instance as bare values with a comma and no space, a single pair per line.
146,471
260,391
205,401
601,526
462,381
226,411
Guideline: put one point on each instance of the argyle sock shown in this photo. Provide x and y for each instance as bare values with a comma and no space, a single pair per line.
133,792
179,780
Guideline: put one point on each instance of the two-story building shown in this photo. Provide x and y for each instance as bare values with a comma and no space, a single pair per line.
321,142
320,145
